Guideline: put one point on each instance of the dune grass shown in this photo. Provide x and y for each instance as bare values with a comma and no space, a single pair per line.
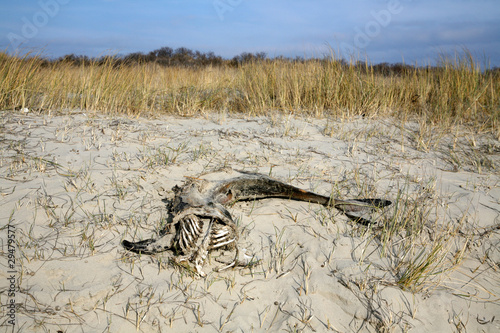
456,91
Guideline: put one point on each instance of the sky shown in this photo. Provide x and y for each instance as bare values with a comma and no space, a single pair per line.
410,31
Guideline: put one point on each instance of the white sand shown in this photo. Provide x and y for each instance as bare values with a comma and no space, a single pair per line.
318,271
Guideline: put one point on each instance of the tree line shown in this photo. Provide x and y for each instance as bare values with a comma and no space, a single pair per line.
184,57
165,56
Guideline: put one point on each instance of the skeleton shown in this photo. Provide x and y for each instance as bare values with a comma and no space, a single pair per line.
201,223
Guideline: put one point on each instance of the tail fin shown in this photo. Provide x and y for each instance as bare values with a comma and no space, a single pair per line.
356,209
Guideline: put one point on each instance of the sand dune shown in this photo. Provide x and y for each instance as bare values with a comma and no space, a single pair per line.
75,185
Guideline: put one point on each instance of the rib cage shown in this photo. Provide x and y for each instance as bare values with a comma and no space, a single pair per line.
222,236
187,234
190,229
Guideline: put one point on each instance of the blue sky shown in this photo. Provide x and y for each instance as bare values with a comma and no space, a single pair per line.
382,30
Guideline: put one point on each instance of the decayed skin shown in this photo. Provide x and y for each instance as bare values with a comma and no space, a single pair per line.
201,222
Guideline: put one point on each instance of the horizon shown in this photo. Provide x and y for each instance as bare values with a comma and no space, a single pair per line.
394,31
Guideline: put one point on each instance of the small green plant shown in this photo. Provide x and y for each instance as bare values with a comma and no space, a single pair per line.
162,156
280,251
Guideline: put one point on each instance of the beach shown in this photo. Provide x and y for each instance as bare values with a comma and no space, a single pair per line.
75,184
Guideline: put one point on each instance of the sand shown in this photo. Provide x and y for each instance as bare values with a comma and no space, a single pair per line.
74,185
